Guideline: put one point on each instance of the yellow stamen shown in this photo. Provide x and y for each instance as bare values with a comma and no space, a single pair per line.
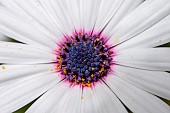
102,69
64,71
97,39
57,57
60,63
83,84
74,76
87,84
92,68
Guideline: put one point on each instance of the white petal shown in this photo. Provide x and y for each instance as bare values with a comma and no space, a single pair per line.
22,29
74,7
157,35
137,100
106,100
24,91
70,102
89,104
152,81
24,54
59,13
150,59
12,73
47,102
88,13
112,11
143,17
33,10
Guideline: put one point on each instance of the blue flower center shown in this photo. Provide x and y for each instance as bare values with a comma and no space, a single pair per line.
84,59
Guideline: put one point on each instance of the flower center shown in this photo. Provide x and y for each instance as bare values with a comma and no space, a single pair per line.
84,59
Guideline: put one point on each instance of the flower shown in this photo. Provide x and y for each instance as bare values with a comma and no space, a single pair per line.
85,56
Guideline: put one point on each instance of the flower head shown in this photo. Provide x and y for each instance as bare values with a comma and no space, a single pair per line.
85,56
84,59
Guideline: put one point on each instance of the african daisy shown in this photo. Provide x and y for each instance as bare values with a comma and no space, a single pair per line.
85,56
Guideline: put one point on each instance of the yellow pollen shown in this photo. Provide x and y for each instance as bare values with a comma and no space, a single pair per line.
87,84
74,76
83,84
97,39
92,68
58,67
3,67
92,75
64,72
57,57
102,69
60,63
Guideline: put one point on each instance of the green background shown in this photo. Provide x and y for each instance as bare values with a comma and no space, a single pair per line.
22,110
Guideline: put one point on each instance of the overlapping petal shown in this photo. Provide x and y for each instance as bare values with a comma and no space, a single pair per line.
137,100
157,35
155,82
142,18
23,29
15,53
20,93
147,58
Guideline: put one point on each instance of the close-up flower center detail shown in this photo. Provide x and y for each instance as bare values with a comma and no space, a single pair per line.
84,59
